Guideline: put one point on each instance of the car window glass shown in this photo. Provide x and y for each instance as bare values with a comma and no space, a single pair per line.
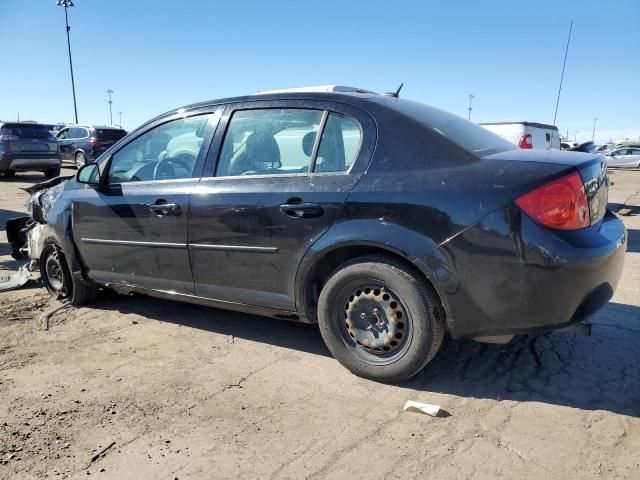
339,144
635,151
167,152
63,134
268,141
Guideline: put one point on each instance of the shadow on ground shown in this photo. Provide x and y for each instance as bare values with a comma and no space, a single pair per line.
633,240
597,372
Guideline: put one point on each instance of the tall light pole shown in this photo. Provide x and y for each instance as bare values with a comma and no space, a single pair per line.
564,63
593,134
120,123
471,97
109,92
66,4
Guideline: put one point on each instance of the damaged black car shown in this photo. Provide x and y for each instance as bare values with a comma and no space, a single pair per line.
387,222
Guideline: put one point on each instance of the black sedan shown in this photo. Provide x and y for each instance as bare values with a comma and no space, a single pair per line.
386,221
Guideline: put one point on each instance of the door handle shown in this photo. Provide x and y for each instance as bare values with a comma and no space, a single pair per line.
302,210
163,208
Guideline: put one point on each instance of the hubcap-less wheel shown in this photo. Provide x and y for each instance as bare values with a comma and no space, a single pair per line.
80,160
376,324
54,274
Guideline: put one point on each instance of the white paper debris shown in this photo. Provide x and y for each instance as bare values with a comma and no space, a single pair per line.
418,407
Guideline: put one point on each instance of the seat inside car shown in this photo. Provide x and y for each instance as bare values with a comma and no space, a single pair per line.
262,155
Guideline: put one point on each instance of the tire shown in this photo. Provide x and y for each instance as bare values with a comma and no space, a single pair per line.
59,282
52,172
374,303
80,160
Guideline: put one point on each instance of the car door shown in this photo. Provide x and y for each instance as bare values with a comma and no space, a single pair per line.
618,158
65,141
634,157
132,229
272,187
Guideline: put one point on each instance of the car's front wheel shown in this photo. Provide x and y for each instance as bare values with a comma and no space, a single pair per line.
57,278
379,319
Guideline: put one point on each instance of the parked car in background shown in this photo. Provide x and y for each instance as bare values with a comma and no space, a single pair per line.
605,147
527,135
388,222
82,144
624,157
586,147
28,147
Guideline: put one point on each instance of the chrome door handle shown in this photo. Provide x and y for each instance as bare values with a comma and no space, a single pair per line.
163,208
302,210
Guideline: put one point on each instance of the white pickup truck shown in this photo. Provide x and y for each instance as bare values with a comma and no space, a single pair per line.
527,134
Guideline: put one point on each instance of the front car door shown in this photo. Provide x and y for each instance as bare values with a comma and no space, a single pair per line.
133,229
619,158
271,189
65,142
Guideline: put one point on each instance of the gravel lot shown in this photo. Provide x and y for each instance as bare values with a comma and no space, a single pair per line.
191,392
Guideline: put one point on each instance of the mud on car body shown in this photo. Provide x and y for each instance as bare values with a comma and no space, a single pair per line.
388,222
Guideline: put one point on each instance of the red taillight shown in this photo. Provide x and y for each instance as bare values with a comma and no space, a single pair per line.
526,141
92,142
561,204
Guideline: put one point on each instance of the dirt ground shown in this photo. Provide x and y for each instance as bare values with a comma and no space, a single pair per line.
192,392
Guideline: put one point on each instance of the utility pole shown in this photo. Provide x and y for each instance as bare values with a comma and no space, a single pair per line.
66,4
109,92
593,134
120,123
566,51
471,97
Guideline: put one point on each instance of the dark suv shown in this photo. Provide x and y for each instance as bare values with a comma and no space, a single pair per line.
82,144
26,147
386,221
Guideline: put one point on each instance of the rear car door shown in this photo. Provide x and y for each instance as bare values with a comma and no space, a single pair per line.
133,229
270,190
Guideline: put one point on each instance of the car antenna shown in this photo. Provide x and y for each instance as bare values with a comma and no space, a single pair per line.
395,94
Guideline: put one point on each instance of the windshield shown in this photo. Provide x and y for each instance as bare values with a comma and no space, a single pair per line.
464,133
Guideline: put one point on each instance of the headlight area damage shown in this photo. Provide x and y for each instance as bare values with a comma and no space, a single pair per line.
48,224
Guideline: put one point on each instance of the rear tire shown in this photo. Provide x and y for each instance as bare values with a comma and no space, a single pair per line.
81,160
52,172
379,319
58,280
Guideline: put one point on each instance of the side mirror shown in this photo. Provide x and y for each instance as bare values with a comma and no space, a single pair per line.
89,174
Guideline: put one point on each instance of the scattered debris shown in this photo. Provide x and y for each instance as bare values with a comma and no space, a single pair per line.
418,407
100,453
43,321
16,280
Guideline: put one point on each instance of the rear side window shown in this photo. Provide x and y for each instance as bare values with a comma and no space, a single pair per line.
26,131
339,144
110,134
269,141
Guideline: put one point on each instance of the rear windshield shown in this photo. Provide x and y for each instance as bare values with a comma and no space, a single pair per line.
25,131
110,134
464,133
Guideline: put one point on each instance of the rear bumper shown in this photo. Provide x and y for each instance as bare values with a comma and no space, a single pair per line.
29,162
509,275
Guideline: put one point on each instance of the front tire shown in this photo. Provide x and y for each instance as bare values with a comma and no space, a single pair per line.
58,280
379,319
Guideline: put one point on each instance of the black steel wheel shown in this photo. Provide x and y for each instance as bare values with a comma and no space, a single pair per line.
57,278
379,319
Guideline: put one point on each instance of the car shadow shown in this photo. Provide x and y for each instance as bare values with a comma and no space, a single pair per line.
633,240
624,209
28,177
5,249
596,372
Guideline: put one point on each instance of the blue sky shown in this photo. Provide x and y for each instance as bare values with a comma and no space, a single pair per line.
157,55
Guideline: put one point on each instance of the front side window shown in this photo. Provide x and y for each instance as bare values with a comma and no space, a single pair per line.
167,152
339,144
269,141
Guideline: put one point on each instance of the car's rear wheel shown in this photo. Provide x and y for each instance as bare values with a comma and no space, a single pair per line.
379,319
52,172
81,160
59,282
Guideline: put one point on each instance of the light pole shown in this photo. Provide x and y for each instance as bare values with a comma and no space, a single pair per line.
593,134
471,97
109,92
120,123
66,4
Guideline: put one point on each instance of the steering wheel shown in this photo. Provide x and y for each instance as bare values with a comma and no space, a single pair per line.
165,169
